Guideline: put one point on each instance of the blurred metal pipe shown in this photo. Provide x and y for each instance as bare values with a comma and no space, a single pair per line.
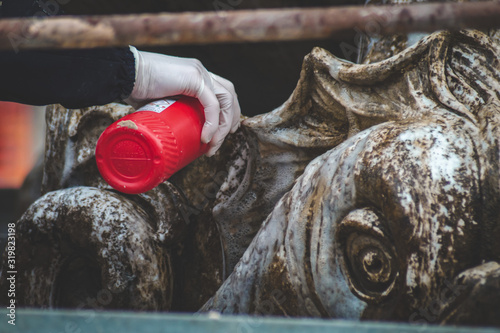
263,25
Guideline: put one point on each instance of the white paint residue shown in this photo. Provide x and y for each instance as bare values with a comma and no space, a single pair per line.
411,272
460,227
45,211
443,165
443,210
406,199
440,152
69,159
84,153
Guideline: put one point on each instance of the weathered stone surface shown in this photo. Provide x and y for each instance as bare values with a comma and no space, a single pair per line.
83,247
372,193
71,137
380,226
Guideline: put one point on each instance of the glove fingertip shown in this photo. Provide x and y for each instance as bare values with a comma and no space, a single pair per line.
208,132
211,152
235,127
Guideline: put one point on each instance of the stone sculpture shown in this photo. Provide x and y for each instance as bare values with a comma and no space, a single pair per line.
400,221
372,193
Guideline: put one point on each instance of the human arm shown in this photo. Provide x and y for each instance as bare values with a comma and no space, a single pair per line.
74,78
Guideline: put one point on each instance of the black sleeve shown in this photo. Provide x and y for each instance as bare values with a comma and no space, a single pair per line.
73,78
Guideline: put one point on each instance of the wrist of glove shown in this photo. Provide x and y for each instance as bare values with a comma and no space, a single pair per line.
159,76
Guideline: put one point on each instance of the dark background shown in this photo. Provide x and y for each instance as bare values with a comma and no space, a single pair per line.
264,74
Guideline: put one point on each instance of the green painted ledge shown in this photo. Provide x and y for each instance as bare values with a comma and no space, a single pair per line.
50,321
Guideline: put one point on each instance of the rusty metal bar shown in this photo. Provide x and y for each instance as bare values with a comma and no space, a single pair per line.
243,25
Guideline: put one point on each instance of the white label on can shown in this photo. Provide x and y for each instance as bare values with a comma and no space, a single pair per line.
158,106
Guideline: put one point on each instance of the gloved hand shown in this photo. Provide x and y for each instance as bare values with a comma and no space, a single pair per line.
159,76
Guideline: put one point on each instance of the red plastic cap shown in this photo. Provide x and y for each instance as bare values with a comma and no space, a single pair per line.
141,150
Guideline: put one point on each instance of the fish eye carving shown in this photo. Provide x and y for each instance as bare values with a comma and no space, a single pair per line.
370,260
370,263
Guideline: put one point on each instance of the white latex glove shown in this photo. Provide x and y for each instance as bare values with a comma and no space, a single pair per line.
159,76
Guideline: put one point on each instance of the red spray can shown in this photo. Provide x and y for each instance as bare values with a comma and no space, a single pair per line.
141,150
